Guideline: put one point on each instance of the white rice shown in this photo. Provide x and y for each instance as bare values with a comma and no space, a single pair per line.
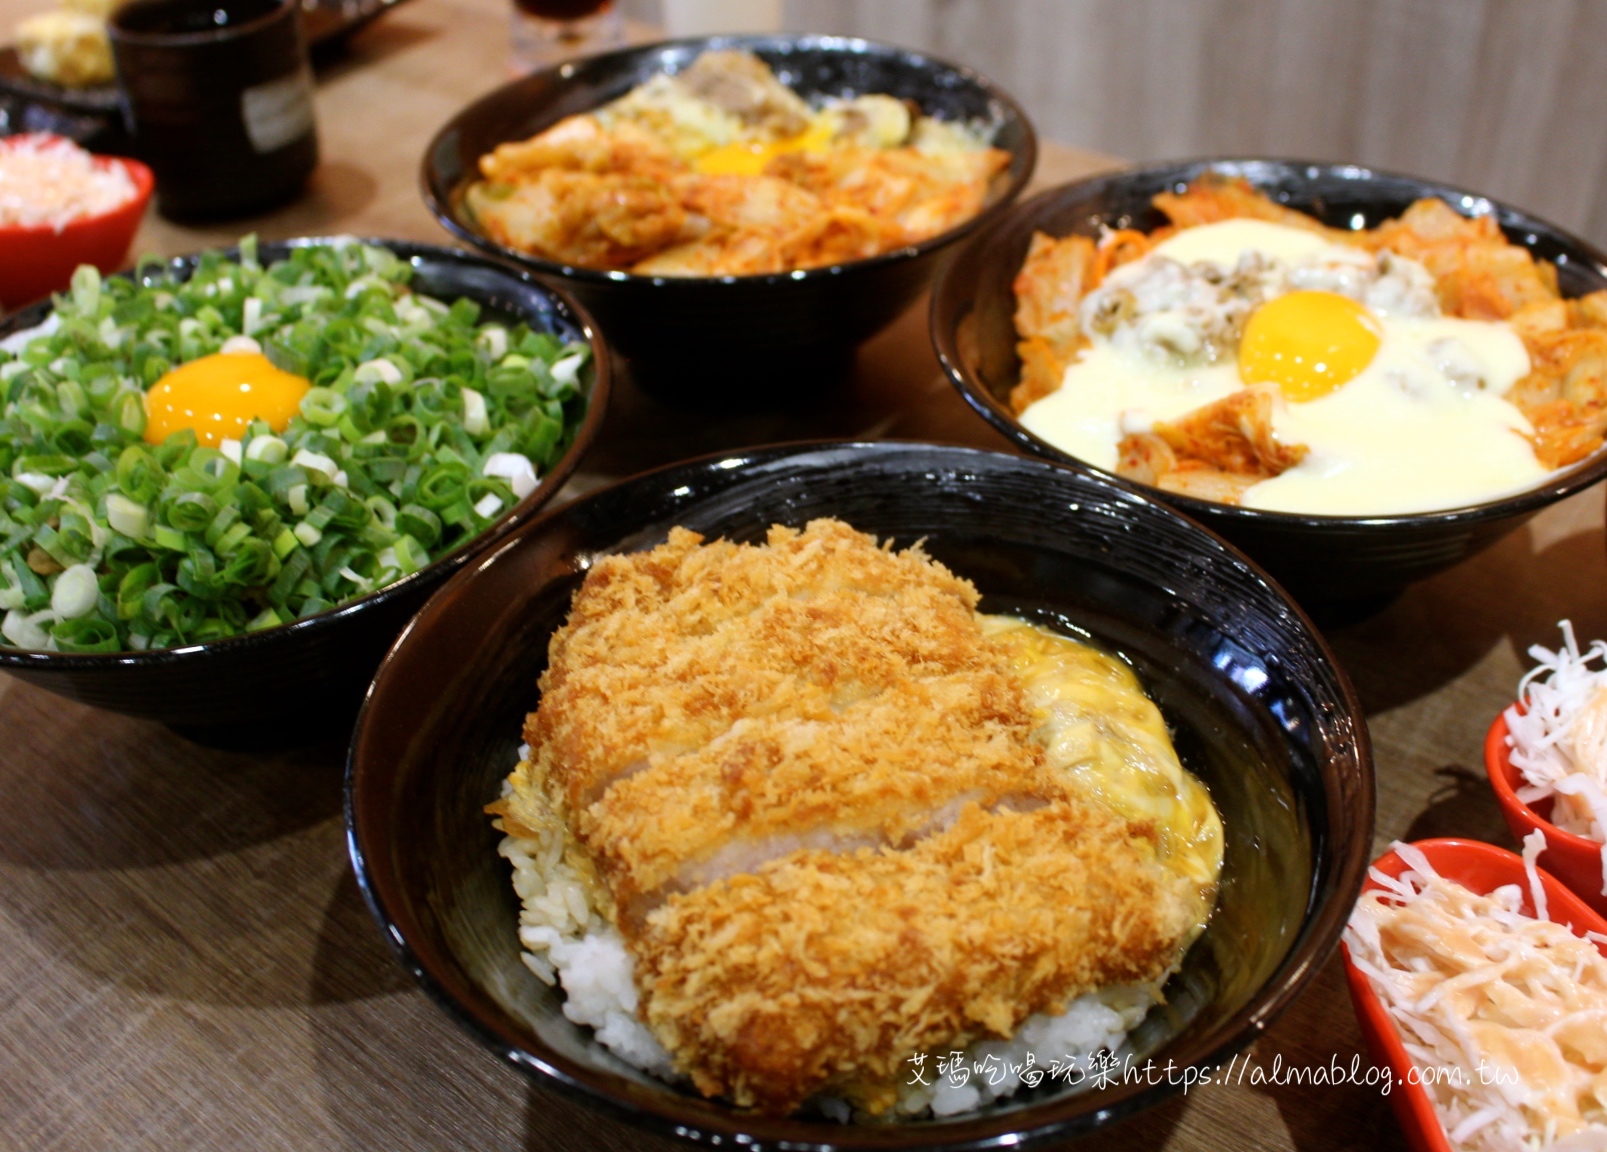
566,941
569,943
1559,738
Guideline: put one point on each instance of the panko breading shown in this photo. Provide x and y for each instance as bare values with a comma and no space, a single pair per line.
828,970
807,785
721,170
1478,275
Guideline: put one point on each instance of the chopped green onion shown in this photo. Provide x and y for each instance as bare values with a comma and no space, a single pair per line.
268,449
124,515
75,592
23,629
421,425
488,506
267,618
476,420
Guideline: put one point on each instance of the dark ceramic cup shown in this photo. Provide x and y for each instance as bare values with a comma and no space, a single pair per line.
1338,566
218,99
752,342
1256,704
304,680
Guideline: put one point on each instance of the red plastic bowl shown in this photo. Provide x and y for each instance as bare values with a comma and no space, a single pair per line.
1482,868
1571,858
34,262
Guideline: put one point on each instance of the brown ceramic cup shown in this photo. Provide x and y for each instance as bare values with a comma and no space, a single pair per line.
218,99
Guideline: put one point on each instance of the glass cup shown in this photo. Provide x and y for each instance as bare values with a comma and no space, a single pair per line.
218,100
548,32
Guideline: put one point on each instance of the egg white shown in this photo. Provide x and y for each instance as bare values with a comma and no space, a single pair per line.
1223,242
1424,426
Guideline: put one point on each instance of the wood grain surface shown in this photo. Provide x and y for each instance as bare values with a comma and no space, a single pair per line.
185,960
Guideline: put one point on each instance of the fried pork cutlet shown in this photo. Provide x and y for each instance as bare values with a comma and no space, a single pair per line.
806,782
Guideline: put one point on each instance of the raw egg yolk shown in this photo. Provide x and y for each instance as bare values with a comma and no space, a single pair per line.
749,159
1307,343
218,395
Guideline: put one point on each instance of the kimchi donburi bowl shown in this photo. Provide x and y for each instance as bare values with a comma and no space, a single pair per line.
1256,708
705,322
1336,549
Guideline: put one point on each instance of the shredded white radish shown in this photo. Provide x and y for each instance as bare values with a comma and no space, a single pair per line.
1559,737
1504,1015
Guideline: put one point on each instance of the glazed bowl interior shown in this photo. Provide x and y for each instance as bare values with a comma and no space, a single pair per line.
793,324
1323,560
1257,708
304,678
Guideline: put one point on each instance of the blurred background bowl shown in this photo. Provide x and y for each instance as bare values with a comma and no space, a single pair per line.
34,262
748,340
305,679
1571,858
1258,708
1338,565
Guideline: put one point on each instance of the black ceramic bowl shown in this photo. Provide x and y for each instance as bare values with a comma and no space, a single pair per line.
288,683
1258,708
1330,561
747,339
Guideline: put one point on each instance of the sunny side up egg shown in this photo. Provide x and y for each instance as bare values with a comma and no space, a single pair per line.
217,396
1402,408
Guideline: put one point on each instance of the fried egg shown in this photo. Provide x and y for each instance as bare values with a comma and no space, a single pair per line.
217,396
1402,408
749,157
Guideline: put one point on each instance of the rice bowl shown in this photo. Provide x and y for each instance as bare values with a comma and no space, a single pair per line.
835,823
439,736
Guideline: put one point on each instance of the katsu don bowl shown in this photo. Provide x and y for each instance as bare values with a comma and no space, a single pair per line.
1334,551
746,333
1250,698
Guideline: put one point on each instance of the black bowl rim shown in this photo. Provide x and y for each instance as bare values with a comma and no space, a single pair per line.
32,660
1028,151
1316,940
945,340
143,39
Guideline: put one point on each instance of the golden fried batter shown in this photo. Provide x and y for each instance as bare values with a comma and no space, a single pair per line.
827,970
809,785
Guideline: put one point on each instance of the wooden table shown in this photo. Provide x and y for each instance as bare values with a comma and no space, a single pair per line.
185,960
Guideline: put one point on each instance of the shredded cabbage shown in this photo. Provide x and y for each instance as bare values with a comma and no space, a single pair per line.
1503,1014
1559,737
